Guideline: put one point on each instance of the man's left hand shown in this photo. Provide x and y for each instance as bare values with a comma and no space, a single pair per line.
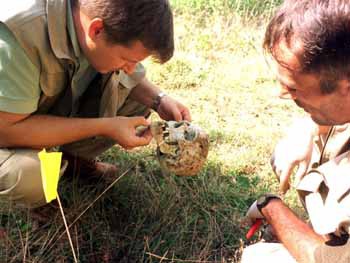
171,109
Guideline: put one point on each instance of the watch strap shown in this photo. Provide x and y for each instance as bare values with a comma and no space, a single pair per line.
157,100
264,200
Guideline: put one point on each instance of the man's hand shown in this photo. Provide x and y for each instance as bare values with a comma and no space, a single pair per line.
171,109
293,150
124,131
168,109
255,210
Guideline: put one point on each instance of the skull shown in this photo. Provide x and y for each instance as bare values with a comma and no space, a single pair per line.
182,147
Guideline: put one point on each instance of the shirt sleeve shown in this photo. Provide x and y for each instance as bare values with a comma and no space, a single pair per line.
19,78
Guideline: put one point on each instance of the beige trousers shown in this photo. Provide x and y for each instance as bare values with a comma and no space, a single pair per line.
266,253
20,177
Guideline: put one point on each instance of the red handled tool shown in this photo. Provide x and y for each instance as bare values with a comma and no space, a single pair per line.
255,227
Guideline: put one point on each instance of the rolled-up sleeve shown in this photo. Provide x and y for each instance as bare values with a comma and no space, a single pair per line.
19,78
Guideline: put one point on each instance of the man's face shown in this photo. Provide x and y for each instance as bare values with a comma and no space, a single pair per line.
304,89
105,57
102,55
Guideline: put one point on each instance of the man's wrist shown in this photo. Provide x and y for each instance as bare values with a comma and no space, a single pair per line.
271,205
157,101
264,200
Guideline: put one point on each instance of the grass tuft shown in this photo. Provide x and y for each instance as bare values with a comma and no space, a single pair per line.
245,8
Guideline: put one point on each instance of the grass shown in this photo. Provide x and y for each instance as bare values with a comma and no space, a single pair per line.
220,73
244,8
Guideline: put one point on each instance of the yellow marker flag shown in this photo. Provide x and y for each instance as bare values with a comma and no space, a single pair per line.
50,164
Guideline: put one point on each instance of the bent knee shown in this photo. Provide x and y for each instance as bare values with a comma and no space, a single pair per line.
20,177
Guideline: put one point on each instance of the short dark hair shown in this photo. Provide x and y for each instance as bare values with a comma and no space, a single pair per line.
126,21
322,27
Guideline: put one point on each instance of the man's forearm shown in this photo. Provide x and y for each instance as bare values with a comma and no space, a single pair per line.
39,131
299,238
145,93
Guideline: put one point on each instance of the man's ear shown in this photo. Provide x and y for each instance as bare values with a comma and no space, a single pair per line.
96,28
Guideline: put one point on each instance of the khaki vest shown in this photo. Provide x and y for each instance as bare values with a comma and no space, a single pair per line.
40,28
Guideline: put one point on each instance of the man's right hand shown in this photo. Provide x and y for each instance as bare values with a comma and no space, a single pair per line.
293,150
124,131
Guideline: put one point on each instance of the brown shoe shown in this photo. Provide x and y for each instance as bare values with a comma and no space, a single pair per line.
90,169
44,214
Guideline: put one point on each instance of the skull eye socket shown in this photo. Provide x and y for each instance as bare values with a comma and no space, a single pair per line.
166,134
190,135
178,124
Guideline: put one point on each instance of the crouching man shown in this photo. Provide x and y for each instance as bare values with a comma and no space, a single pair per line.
309,42
70,77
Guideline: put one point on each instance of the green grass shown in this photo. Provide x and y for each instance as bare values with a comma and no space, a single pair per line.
220,73
244,8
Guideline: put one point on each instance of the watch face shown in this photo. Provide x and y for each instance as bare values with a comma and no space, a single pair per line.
156,101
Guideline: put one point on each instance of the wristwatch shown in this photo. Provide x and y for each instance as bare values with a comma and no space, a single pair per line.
264,200
157,100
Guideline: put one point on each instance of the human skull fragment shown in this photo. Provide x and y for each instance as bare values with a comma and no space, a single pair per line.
182,147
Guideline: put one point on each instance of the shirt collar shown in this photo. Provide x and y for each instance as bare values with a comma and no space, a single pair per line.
59,32
71,30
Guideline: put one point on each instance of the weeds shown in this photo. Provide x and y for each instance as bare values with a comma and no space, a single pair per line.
245,8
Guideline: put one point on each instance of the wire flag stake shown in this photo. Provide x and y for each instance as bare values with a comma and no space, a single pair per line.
50,165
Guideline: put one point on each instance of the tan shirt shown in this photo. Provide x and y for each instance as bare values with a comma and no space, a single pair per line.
325,190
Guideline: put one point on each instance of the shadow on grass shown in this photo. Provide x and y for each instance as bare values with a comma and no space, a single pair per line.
145,217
